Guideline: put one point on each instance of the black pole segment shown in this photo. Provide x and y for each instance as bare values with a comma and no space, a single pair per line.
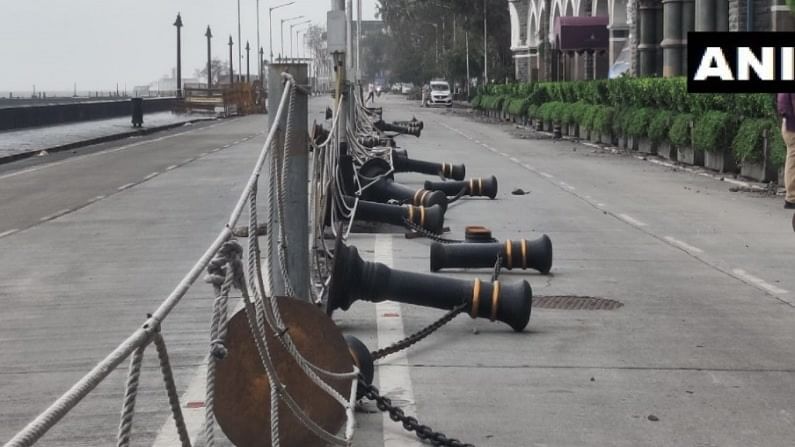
386,189
355,279
474,187
446,170
429,218
522,254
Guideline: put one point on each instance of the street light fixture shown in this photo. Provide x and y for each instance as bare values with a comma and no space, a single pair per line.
281,54
291,34
270,23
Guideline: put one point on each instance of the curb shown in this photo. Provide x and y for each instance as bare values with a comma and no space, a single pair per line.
99,140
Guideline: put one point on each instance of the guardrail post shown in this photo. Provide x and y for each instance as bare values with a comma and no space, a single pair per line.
296,213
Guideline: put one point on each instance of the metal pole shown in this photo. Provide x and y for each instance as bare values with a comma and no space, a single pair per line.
281,39
248,63
358,38
178,24
231,60
259,46
349,39
296,205
209,36
469,78
291,40
239,40
485,43
270,30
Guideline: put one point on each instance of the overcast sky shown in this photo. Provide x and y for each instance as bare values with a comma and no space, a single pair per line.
97,43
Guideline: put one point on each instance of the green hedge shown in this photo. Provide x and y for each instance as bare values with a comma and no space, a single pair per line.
660,125
657,108
680,129
659,93
713,131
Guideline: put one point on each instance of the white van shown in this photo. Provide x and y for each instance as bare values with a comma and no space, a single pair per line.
440,95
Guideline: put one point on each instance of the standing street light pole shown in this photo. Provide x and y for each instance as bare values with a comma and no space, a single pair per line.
239,39
259,46
231,66
291,34
209,36
485,43
248,63
270,26
178,24
282,53
358,38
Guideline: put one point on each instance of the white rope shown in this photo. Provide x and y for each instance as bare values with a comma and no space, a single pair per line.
40,425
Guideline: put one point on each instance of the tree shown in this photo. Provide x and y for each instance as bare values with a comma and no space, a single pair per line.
417,27
220,71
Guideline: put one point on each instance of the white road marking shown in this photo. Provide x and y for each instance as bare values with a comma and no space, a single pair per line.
503,154
529,167
631,220
167,436
127,186
8,233
55,215
547,175
216,150
514,159
95,154
567,186
204,154
226,146
601,205
759,282
172,167
393,374
151,176
683,245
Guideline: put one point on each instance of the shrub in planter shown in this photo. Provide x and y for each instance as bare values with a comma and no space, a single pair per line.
749,148
712,134
748,143
517,107
713,131
679,134
659,125
603,119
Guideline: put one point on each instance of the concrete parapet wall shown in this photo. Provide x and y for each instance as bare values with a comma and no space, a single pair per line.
47,115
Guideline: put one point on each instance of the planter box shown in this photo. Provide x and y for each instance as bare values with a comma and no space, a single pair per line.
645,146
720,161
595,136
539,125
633,143
622,142
761,171
689,156
549,126
667,150
574,130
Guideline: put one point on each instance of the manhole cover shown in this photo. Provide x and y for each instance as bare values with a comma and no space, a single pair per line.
575,303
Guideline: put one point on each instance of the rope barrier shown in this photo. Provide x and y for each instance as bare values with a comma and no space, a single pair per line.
136,343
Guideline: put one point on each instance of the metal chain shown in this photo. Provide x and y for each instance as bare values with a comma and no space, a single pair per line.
419,335
410,423
427,233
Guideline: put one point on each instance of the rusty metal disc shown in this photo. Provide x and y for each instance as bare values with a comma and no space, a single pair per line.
242,390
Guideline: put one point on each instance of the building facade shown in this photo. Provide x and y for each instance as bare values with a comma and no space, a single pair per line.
646,37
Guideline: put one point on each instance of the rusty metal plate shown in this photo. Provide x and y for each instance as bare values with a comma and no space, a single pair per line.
242,402
575,303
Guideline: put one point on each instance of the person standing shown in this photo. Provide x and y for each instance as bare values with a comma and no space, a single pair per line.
786,109
371,94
